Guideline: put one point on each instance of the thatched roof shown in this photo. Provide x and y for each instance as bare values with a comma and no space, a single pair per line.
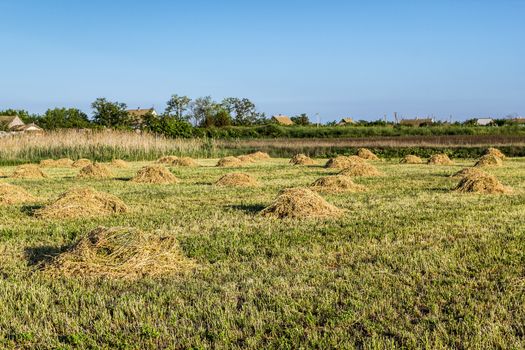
282,119
519,120
140,112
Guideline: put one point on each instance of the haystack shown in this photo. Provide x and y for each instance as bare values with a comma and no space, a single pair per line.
82,202
301,159
95,171
229,162
360,169
237,180
246,158
481,183
365,153
341,162
28,171
259,155
440,159
488,160
11,194
81,163
154,174
468,172
167,159
495,152
411,159
119,163
300,203
124,253
59,163
185,161
335,184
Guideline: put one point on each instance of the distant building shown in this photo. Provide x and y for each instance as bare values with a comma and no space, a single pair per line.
519,120
137,116
346,121
416,122
32,127
7,123
282,120
484,121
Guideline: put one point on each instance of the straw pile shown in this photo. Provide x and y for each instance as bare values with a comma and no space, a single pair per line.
28,171
167,159
229,162
489,160
259,155
440,159
59,163
341,162
365,153
95,171
82,202
154,174
185,161
246,158
123,253
11,194
411,159
81,163
336,184
301,159
237,180
481,183
468,172
495,152
119,163
360,169
300,203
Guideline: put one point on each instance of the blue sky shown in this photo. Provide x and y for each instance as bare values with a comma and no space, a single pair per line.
337,58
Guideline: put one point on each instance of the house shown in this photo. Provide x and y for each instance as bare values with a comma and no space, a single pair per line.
282,120
7,123
346,121
416,122
484,121
32,128
137,116
519,120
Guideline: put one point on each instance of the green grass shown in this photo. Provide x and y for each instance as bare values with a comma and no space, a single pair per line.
411,264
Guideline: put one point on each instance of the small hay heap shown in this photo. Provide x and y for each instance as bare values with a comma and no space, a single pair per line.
365,153
120,252
440,159
495,152
468,172
259,155
95,171
229,162
246,158
82,202
335,184
301,159
167,160
300,203
481,183
237,180
28,171
11,194
185,161
360,169
411,159
119,163
154,174
59,163
81,163
489,160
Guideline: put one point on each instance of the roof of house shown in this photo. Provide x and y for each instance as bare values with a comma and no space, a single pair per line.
140,112
519,120
347,120
282,119
6,119
27,127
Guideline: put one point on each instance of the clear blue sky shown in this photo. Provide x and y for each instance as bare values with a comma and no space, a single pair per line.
338,58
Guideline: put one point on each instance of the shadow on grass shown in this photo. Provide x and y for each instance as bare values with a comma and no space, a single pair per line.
247,208
38,256
30,209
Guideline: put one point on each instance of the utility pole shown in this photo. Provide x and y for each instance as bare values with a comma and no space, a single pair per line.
395,118
318,121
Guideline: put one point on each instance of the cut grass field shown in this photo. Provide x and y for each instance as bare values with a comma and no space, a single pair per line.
409,264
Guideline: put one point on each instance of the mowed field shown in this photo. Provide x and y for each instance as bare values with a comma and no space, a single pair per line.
409,264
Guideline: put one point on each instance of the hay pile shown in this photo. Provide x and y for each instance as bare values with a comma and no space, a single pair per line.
300,203
440,159
301,159
360,169
237,180
246,158
259,155
167,159
11,194
119,163
335,184
120,252
468,172
95,171
411,159
185,161
341,162
28,171
81,163
229,162
489,160
481,183
59,163
82,202
154,174
365,153
495,152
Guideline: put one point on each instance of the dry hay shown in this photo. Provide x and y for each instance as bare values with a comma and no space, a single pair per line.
365,153
119,163
167,159
229,162
300,203
95,171
185,161
440,159
120,252
59,163
301,159
82,162
481,183
468,172
154,174
246,158
495,152
360,169
237,180
411,159
2,174
259,155
82,202
11,194
341,162
489,160
335,184
28,171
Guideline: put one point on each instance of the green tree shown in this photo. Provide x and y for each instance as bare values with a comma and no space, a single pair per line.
176,106
301,119
202,108
242,110
60,118
110,114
